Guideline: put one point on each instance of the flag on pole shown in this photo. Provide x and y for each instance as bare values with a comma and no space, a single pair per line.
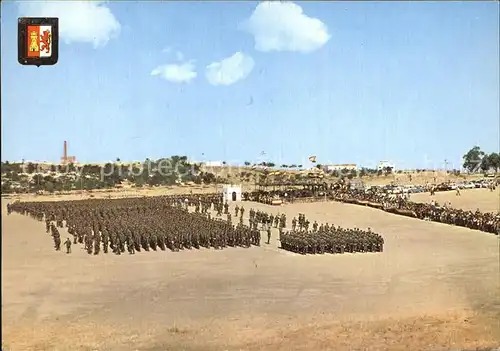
39,41
312,159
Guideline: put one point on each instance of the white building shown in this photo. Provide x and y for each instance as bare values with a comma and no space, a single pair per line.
213,164
231,193
340,167
382,165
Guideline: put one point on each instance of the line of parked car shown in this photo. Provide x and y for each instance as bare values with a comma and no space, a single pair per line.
411,189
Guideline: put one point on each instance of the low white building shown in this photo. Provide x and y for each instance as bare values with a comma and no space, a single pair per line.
382,165
212,163
340,167
231,193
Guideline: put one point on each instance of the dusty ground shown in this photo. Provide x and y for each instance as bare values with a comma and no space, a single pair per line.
469,199
434,287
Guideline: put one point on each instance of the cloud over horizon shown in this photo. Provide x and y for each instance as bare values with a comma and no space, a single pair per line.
283,26
230,70
79,21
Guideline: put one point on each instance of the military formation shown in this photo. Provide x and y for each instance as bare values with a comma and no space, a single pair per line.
486,222
141,224
266,220
325,238
183,222
205,221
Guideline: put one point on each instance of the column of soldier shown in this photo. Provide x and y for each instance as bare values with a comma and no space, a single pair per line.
130,225
328,239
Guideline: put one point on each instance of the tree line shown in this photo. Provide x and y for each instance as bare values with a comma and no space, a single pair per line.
476,160
32,177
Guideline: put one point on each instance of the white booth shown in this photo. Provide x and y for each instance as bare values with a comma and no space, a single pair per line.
231,193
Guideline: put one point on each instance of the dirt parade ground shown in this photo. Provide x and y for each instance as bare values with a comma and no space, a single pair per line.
435,287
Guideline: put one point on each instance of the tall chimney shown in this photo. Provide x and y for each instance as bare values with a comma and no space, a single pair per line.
65,151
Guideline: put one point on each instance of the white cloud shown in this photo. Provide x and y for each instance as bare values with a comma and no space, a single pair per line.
179,56
79,21
283,26
230,70
181,73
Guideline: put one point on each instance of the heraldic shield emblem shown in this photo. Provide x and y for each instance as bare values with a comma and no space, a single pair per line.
38,40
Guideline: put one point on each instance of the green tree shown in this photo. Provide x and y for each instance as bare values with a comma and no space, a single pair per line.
494,160
353,173
362,172
208,178
6,187
485,164
472,159
30,169
247,163
6,168
49,186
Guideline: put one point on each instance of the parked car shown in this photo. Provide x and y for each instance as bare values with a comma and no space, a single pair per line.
469,185
443,187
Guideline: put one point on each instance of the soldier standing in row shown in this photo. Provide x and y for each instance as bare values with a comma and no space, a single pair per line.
268,235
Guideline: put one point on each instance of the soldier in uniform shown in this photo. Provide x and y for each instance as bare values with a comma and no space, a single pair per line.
268,235
67,243
283,221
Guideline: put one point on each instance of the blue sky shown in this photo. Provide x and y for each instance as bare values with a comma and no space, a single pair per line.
413,83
